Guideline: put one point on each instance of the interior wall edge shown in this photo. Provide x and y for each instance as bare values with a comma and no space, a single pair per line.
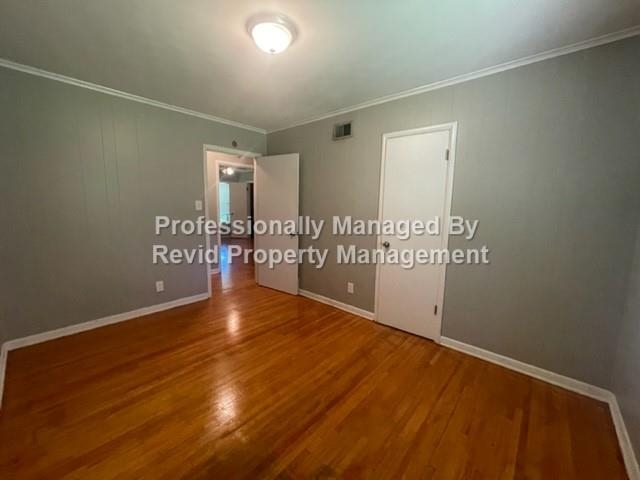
3,369
626,381
624,439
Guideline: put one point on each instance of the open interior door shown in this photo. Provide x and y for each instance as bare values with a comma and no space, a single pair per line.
276,198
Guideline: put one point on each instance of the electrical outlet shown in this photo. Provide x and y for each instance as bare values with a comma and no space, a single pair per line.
349,287
198,205
160,286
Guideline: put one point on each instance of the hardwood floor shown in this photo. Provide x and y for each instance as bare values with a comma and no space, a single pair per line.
258,384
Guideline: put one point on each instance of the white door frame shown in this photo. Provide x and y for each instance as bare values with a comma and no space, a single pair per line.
452,127
218,149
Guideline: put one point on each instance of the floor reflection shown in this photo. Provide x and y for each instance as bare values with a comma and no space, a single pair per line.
238,273
226,405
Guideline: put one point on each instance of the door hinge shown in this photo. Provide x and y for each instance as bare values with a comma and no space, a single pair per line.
446,154
435,309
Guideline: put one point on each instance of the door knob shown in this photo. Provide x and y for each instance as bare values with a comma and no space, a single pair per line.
386,244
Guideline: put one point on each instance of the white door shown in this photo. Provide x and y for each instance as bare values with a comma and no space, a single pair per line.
276,198
415,185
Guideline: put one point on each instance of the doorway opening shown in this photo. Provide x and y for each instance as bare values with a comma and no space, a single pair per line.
229,200
267,196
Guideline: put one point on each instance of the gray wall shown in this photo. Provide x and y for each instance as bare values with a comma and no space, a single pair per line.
82,177
548,161
626,381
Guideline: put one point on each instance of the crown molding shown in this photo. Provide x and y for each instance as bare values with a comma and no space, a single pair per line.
485,72
117,93
549,54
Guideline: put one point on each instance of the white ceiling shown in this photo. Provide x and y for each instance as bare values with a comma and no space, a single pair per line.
196,54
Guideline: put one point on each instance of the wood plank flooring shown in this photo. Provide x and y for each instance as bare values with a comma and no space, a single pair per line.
258,384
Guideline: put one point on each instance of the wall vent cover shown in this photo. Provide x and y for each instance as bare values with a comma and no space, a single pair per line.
342,130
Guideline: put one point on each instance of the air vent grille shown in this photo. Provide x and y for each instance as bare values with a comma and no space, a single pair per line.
342,130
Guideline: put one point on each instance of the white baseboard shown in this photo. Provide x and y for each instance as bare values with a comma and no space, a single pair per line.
334,303
535,372
3,368
568,383
588,390
628,453
83,327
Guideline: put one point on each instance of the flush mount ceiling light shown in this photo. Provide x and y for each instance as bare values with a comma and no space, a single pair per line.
228,171
272,33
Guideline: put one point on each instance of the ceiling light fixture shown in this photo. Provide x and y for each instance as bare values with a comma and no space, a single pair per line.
228,171
271,33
